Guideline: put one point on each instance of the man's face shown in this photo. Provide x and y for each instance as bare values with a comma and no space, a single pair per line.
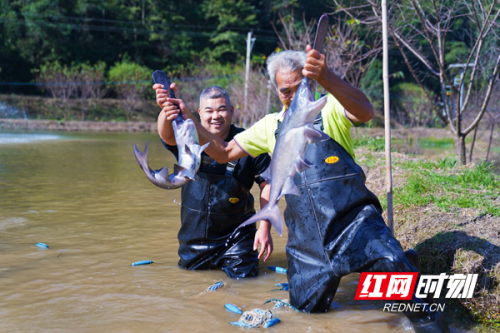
216,115
288,83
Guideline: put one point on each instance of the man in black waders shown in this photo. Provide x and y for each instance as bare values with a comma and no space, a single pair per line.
219,200
337,227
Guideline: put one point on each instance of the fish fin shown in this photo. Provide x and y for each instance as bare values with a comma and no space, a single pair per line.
302,164
189,150
314,136
267,175
181,171
290,188
318,104
195,150
189,175
163,172
269,212
202,148
178,169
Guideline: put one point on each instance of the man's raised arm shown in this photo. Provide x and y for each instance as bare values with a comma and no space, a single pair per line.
165,129
357,106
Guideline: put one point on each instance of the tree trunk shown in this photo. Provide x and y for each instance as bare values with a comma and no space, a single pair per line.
491,137
460,148
472,144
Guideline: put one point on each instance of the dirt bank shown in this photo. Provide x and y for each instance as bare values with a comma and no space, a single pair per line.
76,126
450,215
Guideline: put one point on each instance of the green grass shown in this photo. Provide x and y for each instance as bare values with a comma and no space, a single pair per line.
444,143
447,187
375,144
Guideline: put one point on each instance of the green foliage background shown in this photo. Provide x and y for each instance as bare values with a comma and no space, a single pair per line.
169,35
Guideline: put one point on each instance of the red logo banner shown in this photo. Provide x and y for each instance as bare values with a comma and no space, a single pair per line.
386,286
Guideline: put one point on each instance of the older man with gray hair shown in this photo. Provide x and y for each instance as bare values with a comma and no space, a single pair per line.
336,228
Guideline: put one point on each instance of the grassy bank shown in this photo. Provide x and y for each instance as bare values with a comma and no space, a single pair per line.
451,215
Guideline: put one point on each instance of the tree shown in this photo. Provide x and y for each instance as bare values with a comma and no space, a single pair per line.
59,82
229,13
130,87
433,34
92,87
350,49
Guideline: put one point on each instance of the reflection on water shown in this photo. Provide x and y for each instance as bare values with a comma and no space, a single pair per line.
90,202
7,138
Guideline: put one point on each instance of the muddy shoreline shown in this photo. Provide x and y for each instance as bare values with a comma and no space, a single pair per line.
76,126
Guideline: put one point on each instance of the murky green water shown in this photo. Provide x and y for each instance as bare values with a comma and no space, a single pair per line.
85,196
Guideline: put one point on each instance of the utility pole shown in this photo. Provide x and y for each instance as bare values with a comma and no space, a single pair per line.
250,42
387,117
268,106
457,80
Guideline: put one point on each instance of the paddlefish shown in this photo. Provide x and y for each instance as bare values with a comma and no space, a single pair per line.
295,135
189,156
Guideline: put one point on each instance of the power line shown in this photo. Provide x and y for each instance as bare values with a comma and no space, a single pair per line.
129,30
151,24
187,79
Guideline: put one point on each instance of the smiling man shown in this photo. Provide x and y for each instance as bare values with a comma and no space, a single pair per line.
219,200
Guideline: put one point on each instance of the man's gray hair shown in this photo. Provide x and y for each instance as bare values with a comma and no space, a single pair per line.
214,92
285,61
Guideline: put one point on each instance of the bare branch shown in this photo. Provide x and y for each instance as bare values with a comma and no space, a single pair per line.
479,46
410,67
419,55
279,36
491,84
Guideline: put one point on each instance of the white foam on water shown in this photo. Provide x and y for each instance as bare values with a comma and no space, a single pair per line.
10,138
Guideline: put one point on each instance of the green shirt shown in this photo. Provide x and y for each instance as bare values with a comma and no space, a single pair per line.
260,137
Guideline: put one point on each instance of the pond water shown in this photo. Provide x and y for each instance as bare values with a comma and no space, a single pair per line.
85,196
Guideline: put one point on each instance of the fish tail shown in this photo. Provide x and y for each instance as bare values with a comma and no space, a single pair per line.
269,212
142,157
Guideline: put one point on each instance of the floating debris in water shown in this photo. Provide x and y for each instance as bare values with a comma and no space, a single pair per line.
283,302
42,245
282,286
271,322
233,308
242,324
256,318
336,305
142,262
215,286
277,269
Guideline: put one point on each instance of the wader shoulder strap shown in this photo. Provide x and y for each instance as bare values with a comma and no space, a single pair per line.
230,167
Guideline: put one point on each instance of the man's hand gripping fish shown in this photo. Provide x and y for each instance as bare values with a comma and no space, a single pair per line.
188,146
295,135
